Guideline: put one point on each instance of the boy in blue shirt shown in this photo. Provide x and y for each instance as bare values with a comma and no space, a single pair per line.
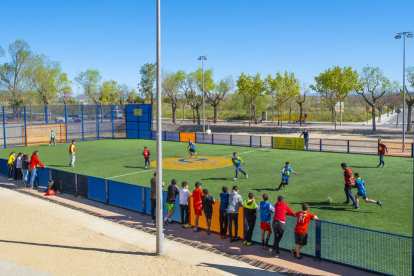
52,138
266,208
224,204
285,175
360,185
237,161
191,145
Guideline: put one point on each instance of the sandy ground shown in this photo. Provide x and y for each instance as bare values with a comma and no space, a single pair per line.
61,241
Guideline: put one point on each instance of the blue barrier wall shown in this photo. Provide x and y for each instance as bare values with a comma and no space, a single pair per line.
96,189
43,175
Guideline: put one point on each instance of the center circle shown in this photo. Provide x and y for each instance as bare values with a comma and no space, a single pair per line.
194,163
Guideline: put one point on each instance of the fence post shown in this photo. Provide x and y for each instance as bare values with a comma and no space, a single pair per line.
212,138
272,141
250,141
25,123
4,129
76,184
97,119
318,239
50,174
412,146
179,136
348,146
231,140
144,204
46,114
112,116
260,141
320,144
106,191
83,131
66,125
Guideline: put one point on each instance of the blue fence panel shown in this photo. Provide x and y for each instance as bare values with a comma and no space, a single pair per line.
144,134
164,197
172,136
177,215
203,138
3,167
221,139
43,175
239,140
96,189
132,134
153,135
134,197
147,200
117,193
130,108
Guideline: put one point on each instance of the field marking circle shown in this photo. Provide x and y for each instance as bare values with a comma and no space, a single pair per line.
185,163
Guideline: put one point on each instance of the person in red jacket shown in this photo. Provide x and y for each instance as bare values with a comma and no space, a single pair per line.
381,151
279,221
301,229
147,155
34,162
349,183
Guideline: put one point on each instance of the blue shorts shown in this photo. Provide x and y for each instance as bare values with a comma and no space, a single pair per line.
364,196
208,215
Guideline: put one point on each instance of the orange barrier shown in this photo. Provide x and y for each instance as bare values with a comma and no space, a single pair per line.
185,136
215,222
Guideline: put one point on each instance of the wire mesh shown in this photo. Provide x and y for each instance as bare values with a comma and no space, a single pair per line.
241,140
68,180
334,145
256,141
204,138
221,139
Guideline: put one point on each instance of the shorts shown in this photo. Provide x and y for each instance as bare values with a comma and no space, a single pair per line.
208,215
170,206
192,150
301,239
364,196
265,226
285,181
198,212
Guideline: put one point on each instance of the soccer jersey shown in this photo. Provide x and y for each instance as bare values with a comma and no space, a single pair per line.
349,177
192,145
237,160
360,185
52,136
146,153
11,159
286,172
197,202
266,208
71,148
303,222
382,148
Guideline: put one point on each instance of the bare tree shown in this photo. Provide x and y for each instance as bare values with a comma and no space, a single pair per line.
301,98
216,95
170,85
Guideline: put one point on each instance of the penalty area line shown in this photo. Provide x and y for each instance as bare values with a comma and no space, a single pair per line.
129,174
243,152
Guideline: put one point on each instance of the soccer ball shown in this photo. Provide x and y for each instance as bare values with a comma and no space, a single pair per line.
328,200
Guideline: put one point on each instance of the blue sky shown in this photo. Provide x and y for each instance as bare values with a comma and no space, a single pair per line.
266,36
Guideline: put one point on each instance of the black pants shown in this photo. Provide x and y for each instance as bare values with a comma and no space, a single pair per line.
278,230
185,212
223,222
250,222
283,183
18,174
233,217
153,206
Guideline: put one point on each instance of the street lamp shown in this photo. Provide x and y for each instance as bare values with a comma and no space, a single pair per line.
203,58
398,36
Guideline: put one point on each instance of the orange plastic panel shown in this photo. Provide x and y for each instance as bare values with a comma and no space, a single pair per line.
185,136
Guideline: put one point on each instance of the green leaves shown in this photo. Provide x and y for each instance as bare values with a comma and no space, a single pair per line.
148,73
89,80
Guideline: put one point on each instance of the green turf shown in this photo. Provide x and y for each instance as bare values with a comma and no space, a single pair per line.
319,175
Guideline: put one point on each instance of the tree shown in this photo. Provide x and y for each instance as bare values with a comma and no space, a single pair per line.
215,96
409,100
372,85
188,86
273,86
170,85
251,87
12,74
209,84
64,89
301,98
131,96
148,73
108,92
89,80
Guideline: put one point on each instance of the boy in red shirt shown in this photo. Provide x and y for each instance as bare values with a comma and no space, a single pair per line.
197,204
147,155
301,237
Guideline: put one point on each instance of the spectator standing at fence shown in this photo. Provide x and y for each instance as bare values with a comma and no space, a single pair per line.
224,204
266,209
381,151
147,155
172,193
25,168
235,202
360,185
237,162
306,116
72,154
279,223
197,204
285,175
10,163
34,162
52,138
184,202
208,201
250,206
191,147
301,229
153,196
305,134
18,171
349,182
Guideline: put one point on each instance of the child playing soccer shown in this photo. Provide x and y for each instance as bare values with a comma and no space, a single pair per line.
191,145
265,208
184,199
147,155
224,204
72,154
381,151
52,138
197,204
208,201
172,193
285,175
301,236
360,185
237,161
250,206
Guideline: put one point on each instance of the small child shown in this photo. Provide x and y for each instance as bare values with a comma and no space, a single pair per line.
147,155
191,147
224,204
285,175
172,193
208,201
301,236
237,162
197,204
10,163
250,206
18,167
265,208
360,185
52,138
184,199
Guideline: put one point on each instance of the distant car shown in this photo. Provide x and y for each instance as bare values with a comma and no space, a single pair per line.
117,115
71,118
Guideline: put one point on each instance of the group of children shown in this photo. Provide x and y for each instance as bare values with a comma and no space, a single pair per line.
23,169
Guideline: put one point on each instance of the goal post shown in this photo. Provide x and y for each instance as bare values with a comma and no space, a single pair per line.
40,134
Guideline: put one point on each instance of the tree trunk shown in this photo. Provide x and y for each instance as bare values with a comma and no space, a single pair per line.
388,111
215,113
281,116
254,113
173,112
333,114
193,114
290,113
409,106
336,119
250,113
278,117
300,115
374,126
340,113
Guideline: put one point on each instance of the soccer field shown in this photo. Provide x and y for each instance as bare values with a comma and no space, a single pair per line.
319,176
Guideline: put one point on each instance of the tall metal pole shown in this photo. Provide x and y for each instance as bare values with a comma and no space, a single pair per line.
404,93
204,123
159,223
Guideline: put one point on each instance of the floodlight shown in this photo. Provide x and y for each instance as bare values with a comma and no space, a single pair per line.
410,35
397,37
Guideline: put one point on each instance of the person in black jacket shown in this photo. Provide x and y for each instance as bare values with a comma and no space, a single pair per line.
250,206
25,169
172,193
208,201
305,134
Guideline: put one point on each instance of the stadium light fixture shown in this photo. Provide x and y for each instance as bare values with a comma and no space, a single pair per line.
397,37
410,35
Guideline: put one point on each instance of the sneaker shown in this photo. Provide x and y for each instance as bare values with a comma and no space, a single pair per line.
245,242
166,222
187,226
293,251
378,166
10,179
346,202
384,166
247,176
182,225
225,236
149,167
145,167
49,145
70,164
379,203
271,251
232,239
248,243
235,178
277,255
355,207
153,221
208,232
298,258
277,190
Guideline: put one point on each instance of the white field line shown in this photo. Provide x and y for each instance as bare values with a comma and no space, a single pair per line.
243,152
334,136
129,174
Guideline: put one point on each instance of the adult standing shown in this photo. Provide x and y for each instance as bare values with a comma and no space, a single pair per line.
72,154
34,162
235,202
381,151
25,168
349,182
279,222
305,134
18,171
153,196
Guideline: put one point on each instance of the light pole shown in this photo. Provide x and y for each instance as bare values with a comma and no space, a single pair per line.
203,58
398,36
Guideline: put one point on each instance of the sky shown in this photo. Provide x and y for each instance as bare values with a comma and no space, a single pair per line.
250,36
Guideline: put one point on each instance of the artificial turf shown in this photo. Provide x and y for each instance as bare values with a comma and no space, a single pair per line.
319,176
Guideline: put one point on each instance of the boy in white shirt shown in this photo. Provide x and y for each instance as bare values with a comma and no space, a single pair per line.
184,205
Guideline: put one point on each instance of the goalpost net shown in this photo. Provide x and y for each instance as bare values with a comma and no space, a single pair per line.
40,134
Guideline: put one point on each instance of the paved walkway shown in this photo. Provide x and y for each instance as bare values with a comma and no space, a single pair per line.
286,261
8,268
